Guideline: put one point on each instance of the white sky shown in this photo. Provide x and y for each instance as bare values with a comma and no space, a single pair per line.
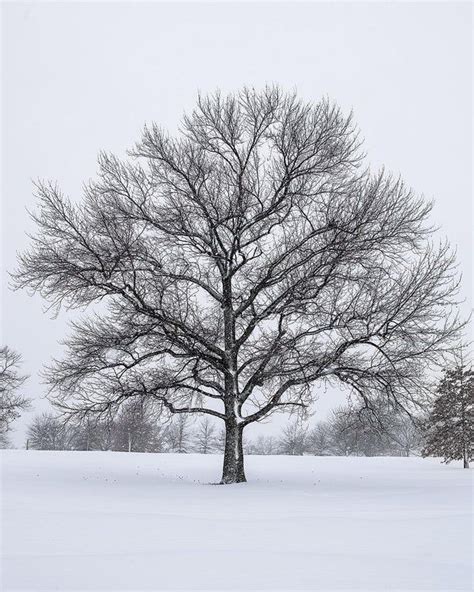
81,77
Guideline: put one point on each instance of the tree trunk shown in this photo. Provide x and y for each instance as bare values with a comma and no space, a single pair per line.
233,469
466,457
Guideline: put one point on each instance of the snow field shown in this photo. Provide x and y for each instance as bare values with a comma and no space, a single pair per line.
118,521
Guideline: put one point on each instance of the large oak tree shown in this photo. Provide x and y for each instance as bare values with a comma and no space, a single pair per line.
241,262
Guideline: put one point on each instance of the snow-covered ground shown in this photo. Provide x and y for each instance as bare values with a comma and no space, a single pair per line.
116,521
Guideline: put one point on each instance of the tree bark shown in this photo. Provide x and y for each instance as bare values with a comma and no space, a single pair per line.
233,469
466,457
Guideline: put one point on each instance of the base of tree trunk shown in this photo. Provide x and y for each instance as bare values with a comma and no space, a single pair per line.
230,479
233,469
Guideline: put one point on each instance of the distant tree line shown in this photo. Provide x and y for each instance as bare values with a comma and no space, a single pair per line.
136,428
348,431
372,430
377,428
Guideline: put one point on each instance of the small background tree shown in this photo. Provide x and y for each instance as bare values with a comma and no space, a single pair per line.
293,439
87,434
262,445
450,425
319,440
47,432
178,435
137,429
12,400
205,438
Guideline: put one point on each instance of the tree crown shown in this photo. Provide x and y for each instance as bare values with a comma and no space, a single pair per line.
241,261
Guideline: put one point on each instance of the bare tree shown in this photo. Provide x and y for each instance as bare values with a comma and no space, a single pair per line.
137,429
94,432
242,262
378,428
87,434
405,433
12,401
319,440
178,435
343,432
262,445
293,439
205,440
47,432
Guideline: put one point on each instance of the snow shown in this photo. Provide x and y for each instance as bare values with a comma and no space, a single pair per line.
118,521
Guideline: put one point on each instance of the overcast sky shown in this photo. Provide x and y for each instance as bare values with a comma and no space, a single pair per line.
81,77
